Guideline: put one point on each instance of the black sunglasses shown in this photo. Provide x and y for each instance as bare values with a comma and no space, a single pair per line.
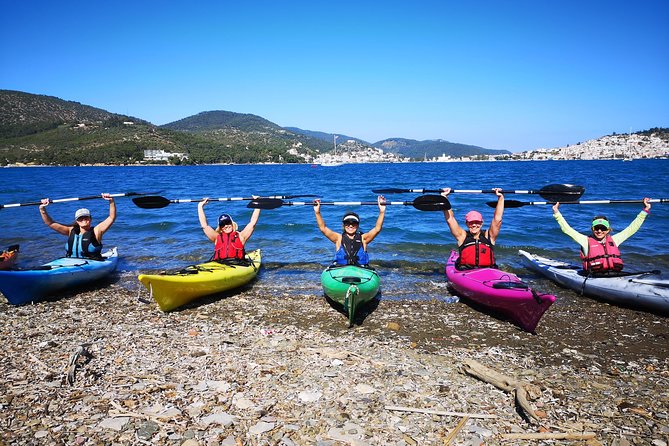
350,222
600,228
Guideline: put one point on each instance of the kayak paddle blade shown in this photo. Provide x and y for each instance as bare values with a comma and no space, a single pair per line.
151,202
432,203
561,192
265,203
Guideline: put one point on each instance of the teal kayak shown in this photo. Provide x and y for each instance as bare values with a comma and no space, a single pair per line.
350,286
32,285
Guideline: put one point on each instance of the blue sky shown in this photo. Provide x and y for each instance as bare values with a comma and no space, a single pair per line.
514,75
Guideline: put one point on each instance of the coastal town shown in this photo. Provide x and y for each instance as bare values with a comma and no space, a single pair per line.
625,147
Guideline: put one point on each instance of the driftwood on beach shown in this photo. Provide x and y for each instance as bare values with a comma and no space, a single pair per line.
522,391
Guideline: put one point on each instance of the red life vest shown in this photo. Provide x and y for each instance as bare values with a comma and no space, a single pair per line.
602,257
475,253
228,246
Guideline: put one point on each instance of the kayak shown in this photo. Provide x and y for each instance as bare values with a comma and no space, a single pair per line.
644,290
500,291
9,256
350,285
174,289
32,285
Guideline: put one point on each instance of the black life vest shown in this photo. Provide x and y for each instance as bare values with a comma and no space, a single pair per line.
84,245
228,246
476,253
351,251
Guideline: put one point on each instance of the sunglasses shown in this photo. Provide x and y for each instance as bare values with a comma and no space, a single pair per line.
350,223
601,228
225,223
475,223
83,218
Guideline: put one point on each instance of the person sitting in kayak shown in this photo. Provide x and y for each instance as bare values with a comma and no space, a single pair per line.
228,241
477,248
600,252
351,244
84,240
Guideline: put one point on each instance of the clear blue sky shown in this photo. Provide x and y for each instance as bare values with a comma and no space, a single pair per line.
514,75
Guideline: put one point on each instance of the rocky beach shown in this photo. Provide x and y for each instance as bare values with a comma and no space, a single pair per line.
262,367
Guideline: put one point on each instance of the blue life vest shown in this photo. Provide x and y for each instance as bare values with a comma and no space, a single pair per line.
351,251
83,245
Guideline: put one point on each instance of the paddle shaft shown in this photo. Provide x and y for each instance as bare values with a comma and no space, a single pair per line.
515,204
63,200
422,203
548,192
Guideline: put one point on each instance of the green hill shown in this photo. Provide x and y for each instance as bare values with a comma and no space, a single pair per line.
39,129
432,148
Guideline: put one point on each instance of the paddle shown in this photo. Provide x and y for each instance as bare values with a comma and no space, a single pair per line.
551,192
422,203
518,204
157,202
63,200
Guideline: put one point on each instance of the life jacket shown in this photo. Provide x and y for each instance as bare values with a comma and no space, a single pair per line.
602,257
351,251
83,245
476,253
228,246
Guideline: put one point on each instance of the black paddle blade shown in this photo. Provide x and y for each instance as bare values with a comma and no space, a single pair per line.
151,202
561,192
265,203
389,191
432,203
509,204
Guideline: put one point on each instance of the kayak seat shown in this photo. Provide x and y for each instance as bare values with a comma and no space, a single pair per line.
510,285
351,279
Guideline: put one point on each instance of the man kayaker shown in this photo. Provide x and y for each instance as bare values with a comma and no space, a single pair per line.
599,251
85,241
477,248
351,244
228,241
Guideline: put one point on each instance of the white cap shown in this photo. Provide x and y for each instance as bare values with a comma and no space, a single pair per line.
83,212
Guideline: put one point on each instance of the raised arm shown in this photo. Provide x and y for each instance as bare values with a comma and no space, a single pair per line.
496,223
105,224
458,233
246,233
208,230
327,232
372,233
46,218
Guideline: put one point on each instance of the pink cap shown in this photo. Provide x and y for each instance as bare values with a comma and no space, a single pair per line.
473,216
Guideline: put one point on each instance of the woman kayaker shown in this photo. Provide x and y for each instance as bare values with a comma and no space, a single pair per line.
599,251
477,247
228,241
84,240
351,244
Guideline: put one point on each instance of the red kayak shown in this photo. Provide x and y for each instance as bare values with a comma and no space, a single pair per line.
499,291
8,257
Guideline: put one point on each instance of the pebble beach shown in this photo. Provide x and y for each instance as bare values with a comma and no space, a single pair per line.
105,366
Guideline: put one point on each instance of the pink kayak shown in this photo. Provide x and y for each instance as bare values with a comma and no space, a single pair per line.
499,291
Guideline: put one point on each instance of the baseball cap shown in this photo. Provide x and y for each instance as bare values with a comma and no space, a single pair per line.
83,212
473,216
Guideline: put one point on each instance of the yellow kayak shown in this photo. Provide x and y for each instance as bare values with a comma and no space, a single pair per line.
174,289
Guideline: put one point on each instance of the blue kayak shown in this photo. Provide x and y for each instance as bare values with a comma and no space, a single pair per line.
32,285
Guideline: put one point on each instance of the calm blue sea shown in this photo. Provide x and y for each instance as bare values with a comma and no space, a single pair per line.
409,253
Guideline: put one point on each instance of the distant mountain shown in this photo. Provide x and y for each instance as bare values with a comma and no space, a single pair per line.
432,148
327,137
24,113
220,119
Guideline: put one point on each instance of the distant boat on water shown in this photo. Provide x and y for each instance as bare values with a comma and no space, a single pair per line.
334,153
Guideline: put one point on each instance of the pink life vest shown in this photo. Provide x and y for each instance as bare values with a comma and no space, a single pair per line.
228,246
602,257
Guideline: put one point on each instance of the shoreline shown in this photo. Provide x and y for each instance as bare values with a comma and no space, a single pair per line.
268,367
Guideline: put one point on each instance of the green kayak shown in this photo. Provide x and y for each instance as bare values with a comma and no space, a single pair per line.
350,286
